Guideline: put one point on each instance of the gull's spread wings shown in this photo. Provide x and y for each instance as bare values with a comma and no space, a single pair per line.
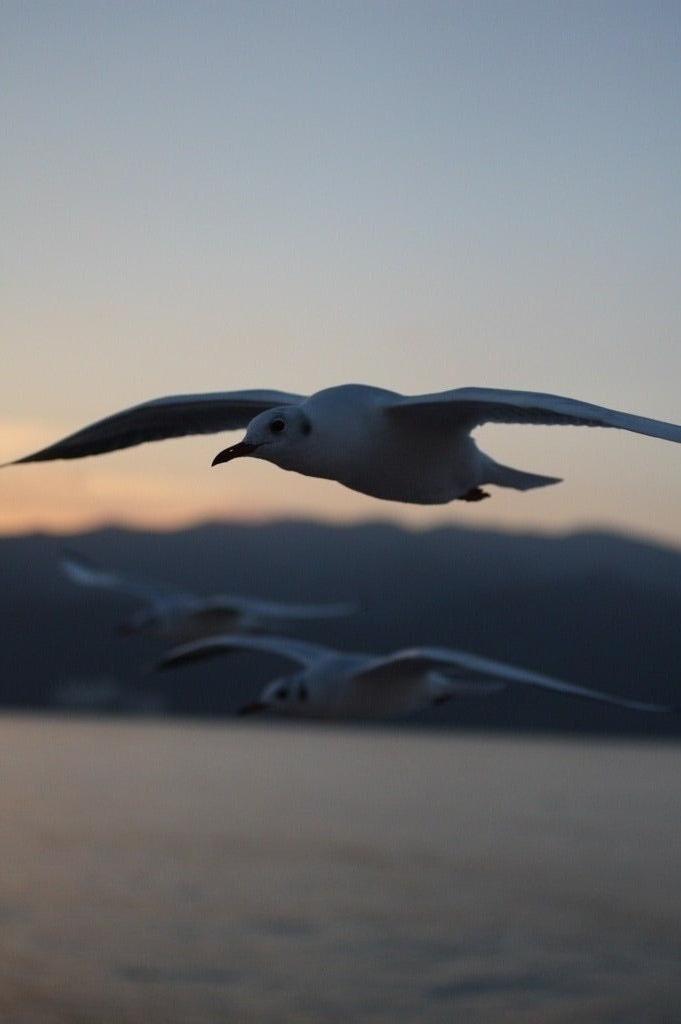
423,659
471,407
174,416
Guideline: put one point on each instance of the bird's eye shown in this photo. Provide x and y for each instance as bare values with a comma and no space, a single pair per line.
276,426
282,693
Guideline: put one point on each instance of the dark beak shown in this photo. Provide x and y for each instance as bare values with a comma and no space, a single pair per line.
235,452
250,709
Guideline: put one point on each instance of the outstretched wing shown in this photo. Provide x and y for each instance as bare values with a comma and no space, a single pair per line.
275,609
471,407
85,573
175,416
422,659
299,651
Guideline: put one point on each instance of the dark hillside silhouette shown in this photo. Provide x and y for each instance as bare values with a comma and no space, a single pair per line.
593,608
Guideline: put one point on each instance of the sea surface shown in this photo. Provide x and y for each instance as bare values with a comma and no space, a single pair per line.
260,872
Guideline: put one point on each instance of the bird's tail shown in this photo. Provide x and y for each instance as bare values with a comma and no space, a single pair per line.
505,476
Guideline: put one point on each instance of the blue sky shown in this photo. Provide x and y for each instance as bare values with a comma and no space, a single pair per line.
209,196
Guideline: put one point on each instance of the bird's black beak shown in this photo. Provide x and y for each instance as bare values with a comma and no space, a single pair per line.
253,707
235,452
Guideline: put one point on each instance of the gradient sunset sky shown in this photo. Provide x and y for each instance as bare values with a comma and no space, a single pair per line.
208,196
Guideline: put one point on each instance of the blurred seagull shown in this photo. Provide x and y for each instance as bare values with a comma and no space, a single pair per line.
176,616
333,684
415,449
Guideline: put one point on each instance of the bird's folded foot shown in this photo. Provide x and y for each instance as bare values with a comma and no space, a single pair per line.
475,494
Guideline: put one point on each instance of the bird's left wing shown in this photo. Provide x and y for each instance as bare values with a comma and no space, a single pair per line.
86,573
299,651
173,416
470,407
407,662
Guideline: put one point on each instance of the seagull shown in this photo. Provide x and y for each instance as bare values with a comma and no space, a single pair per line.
175,616
337,685
416,449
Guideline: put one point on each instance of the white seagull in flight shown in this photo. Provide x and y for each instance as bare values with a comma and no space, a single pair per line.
414,449
177,616
334,684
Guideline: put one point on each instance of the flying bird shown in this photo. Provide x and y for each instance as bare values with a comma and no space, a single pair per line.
176,616
415,449
337,685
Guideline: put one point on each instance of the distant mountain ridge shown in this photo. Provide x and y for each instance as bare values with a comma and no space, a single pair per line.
595,608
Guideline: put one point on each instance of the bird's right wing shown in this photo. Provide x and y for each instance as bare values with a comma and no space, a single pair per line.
470,407
299,651
174,416
423,659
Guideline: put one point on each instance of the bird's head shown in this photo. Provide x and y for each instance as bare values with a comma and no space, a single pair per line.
277,435
288,695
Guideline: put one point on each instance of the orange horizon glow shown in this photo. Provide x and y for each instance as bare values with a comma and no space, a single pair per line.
156,504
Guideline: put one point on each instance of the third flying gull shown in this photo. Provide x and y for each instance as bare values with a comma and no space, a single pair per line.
338,684
414,449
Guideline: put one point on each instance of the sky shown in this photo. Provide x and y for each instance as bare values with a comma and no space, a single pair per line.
209,196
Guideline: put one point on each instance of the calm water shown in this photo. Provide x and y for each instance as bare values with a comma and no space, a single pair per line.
263,873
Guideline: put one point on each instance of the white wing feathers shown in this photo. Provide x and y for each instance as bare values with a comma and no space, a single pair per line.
180,415
423,659
471,407
85,573
82,571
